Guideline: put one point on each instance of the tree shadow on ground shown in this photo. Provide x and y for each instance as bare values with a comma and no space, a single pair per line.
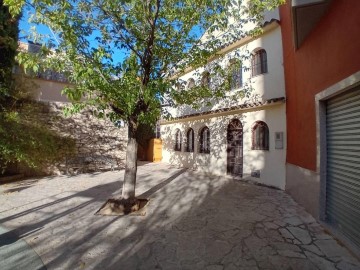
193,220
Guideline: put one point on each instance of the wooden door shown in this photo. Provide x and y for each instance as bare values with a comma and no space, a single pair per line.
235,148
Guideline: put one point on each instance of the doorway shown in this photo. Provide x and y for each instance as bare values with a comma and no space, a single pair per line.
235,148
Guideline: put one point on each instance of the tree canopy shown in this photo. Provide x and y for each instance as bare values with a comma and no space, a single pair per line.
119,54
122,55
9,31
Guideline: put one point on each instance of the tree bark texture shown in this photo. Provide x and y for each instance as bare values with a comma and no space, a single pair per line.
128,190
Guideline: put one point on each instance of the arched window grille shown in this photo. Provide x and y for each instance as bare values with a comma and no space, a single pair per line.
205,140
178,140
190,83
190,140
259,62
205,79
260,136
235,75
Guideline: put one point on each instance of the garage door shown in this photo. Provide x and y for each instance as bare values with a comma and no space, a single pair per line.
343,164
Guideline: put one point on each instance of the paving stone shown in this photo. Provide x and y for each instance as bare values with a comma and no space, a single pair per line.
274,236
320,262
166,265
280,262
231,266
285,233
239,236
190,225
216,250
164,252
193,222
286,246
215,267
199,265
294,221
291,254
313,249
331,248
344,265
281,223
322,236
261,233
307,218
234,255
271,225
301,234
254,243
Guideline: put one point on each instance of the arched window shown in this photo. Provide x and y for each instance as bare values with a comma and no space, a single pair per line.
190,83
178,140
260,136
205,79
235,74
190,140
205,140
259,62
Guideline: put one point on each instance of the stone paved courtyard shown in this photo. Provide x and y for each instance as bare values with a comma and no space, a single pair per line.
193,221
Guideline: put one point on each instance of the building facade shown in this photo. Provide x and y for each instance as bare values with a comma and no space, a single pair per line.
243,136
321,41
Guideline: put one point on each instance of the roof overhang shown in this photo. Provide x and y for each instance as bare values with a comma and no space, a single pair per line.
305,15
226,111
227,48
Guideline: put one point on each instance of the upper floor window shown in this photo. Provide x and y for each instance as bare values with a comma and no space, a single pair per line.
190,140
178,140
235,75
205,79
205,140
190,83
259,62
260,136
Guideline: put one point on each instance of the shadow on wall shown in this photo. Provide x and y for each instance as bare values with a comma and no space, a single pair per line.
59,145
266,166
213,162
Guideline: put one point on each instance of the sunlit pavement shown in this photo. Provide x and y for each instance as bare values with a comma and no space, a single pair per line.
193,221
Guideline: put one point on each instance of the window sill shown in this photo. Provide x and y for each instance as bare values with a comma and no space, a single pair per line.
258,75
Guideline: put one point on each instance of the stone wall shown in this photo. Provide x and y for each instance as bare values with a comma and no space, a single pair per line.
97,144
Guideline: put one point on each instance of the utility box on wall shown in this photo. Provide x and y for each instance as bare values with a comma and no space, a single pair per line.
155,150
279,140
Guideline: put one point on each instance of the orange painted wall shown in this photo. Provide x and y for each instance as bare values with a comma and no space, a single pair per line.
329,54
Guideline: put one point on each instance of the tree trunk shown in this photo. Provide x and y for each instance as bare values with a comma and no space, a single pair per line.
128,190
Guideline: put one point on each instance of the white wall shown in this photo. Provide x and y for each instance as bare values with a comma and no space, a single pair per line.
264,86
271,163
45,90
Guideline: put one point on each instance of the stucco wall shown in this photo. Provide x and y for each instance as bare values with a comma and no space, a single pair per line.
270,163
261,87
48,91
329,54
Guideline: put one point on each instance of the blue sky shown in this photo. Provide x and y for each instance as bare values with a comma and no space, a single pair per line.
25,27
44,30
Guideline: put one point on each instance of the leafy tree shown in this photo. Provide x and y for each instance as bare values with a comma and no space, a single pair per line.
155,40
9,31
23,138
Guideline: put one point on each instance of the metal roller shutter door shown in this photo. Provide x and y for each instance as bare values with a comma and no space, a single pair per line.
343,164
